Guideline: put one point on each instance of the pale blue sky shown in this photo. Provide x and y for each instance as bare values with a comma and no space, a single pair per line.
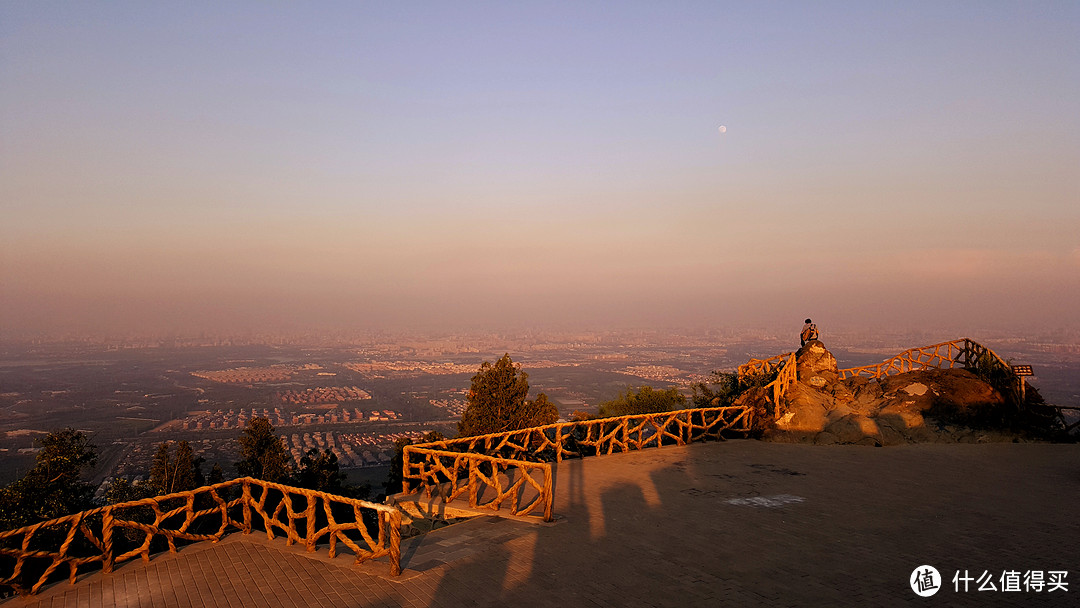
263,164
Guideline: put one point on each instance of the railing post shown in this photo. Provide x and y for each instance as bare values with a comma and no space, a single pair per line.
246,500
395,543
106,540
548,495
406,487
309,515
473,489
558,443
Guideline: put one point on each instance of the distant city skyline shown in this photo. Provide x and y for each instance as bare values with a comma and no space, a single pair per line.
246,167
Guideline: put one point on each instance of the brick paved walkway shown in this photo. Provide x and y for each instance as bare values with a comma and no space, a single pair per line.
735,523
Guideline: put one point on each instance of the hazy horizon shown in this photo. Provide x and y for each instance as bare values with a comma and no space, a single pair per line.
274,168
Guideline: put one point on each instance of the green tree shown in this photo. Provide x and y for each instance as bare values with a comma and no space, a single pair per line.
174,472
200,478
54,487
216,475
320,471
645,400
262,453
122,490
498,401
723,388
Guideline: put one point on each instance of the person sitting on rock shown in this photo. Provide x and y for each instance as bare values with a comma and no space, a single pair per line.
809,332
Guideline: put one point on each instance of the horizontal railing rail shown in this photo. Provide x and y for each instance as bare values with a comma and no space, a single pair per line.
448,475
943,355
451,467
778,388
106,536
963,352
757,367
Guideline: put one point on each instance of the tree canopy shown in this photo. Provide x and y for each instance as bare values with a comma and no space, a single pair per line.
262,453
320,471
498,401
54,487
723,388
645,400
175,472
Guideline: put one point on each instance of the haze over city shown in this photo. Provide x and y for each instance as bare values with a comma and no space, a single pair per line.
206,167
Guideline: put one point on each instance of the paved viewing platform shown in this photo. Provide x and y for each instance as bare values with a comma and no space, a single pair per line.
729,523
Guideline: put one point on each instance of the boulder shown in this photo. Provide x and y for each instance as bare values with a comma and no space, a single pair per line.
919,406
854,428
806,410
825,438
842,394
902,415
815,365
891,433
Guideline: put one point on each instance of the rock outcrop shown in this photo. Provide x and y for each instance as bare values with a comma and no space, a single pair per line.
815,365
929,405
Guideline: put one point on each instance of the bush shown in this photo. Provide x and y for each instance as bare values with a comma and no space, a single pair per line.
645,400
727,387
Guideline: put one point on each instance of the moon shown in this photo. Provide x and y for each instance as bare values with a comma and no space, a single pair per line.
723,129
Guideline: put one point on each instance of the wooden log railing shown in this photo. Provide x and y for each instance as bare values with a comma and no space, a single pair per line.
449,468
785,378
448,475
963,352
758,367
106,536
945,355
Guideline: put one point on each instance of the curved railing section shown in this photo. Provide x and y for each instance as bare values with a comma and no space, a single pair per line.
514,467
758,367
785,378
526,486
964,352
106,536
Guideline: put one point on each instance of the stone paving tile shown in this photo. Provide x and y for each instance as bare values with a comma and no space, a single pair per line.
658,528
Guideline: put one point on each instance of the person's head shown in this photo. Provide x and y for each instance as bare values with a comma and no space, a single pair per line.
808,320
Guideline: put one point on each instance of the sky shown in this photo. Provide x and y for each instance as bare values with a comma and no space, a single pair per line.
271,166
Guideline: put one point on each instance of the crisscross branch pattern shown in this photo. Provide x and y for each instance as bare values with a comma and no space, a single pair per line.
963,352
776,390
945,355
513,467
90,538
757,367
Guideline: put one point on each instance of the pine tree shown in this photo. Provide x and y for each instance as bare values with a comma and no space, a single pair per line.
262,454
159,469
173,473
184,468
216,475
498,401
54,487
320,471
